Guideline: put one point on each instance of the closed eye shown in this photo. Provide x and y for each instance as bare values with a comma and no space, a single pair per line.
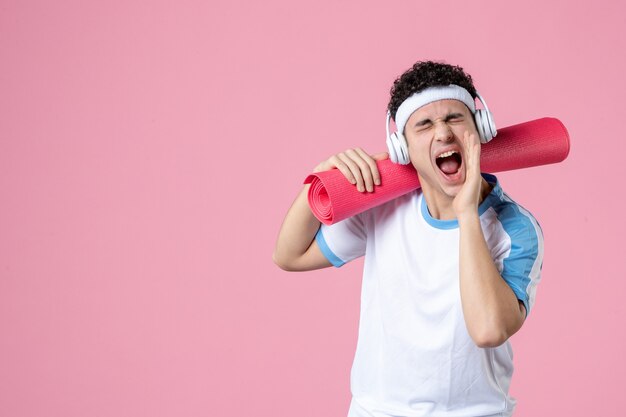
454,117
425,124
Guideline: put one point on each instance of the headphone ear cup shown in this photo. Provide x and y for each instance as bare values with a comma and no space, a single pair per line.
485,125
398,149
392,149
484,122
402,148
492,125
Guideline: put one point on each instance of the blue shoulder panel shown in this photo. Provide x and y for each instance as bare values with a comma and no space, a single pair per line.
517,266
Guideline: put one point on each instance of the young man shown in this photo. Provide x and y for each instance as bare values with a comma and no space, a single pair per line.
450,270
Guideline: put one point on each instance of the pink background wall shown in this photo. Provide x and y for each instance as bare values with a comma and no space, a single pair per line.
148,153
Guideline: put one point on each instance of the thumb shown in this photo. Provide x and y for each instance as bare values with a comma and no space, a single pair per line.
381,156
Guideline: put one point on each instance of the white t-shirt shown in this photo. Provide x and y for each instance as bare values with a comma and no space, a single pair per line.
414,356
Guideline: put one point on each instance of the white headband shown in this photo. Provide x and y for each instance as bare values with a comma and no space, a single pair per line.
430,94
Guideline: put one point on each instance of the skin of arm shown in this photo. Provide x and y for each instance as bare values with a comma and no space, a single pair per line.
492,311
296,248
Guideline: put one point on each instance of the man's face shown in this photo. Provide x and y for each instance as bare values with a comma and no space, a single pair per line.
434,134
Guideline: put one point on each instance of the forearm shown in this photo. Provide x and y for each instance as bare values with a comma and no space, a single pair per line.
491,309
296,233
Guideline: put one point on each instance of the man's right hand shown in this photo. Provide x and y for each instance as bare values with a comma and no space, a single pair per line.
357,166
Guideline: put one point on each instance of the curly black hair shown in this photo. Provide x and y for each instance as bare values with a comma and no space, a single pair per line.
424,74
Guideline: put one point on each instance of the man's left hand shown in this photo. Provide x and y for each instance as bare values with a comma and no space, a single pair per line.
468,198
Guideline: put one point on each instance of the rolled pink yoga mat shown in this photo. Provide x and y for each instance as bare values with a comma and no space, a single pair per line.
538,142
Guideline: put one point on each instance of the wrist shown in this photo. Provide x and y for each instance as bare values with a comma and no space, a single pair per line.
467,216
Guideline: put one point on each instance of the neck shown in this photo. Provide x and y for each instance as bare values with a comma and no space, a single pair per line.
440,205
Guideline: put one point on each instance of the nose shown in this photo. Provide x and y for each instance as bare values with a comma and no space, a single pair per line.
442,131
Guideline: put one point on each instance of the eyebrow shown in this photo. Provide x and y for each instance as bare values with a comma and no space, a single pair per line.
448,117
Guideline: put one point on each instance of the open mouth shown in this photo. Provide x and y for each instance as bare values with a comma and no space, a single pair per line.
449,163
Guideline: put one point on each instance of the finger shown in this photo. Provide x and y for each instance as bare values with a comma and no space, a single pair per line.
366,171
472,171
471,146
341,166
381,156
467,141
371,164
476,147
354,169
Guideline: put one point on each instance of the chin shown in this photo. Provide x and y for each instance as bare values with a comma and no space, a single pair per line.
451,188
452,192
435,182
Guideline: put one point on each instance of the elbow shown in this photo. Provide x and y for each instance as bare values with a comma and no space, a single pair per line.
493,331
489,338
282,263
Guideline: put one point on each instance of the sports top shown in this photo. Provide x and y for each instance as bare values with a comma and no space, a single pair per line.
414,356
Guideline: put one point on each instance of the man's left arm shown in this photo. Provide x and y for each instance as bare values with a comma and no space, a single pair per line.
491,309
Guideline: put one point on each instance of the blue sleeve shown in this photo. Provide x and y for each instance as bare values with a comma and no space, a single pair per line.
329,254
343,241
522,265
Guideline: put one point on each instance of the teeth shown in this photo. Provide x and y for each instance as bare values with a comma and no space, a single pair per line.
445,154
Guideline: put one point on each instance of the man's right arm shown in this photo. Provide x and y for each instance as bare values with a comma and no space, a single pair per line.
296,248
